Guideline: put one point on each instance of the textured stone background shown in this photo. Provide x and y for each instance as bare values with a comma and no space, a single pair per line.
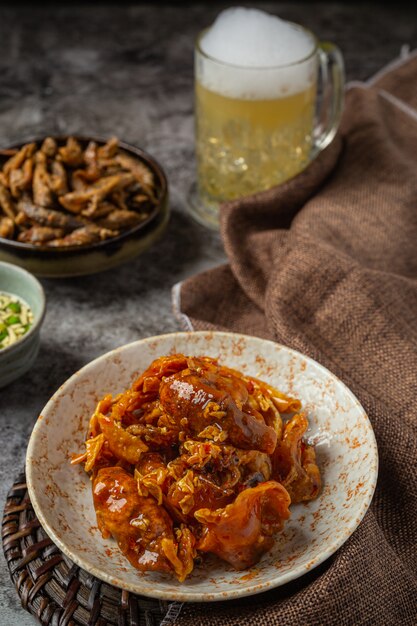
128,71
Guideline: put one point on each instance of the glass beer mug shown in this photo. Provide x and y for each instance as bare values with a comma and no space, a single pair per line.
256,127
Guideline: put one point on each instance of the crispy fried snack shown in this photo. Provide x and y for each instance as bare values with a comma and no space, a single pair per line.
195,457
60,196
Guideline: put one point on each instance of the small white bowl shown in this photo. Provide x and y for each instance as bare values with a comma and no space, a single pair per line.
346,452
19,357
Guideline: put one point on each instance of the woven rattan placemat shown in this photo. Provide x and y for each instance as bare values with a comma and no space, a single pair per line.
58,592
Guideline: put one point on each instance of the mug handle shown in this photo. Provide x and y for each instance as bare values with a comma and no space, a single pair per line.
332,74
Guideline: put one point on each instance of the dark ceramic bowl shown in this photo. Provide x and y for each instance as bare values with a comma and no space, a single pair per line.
89,259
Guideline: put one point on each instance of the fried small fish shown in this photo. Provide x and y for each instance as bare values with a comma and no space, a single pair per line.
6,227
49,217
6,202
38,235
21,179
23,220
49,147
143,175
42,194
71,154
17,159
77,201
121,219
81,179
119,198
58,181
82,236
100,210
73,194
109,149
91,160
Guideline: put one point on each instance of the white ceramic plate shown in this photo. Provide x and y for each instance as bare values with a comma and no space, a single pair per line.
346,451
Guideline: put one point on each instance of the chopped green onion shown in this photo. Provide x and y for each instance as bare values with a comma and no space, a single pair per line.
16,318
14,307
12,319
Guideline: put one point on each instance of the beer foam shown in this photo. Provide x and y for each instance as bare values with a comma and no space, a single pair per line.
261,48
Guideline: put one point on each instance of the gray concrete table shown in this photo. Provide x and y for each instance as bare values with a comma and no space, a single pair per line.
127,71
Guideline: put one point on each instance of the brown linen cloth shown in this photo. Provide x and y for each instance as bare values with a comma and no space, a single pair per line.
327,264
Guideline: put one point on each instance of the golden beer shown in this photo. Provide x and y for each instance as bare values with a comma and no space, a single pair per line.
256,87
246,145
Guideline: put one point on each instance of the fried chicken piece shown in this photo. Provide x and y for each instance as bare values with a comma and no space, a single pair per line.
136,522
196,402
151,474
181,490
6,227
152,477
256,467
222,377
150,380
154,436
294,462
38,235
122,444
150,462
242,532
194,491
48,217
180,553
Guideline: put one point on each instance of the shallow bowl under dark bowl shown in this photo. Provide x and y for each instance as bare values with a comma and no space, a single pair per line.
89,259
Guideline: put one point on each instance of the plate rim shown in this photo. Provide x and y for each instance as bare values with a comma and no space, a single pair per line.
149,589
